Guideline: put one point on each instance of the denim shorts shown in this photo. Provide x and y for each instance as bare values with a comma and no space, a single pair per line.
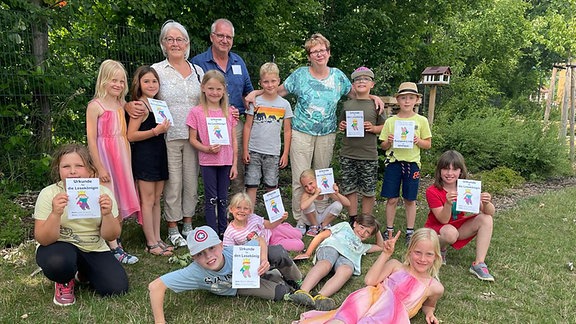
405,173
262,167
332,255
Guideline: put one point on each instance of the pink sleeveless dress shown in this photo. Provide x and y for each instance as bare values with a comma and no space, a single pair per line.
395,300
114,151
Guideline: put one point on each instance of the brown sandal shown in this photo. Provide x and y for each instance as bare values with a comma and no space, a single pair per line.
166,246
152,250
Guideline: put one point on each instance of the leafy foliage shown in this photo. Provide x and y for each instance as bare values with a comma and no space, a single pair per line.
500,179
491,138
14,228
499,52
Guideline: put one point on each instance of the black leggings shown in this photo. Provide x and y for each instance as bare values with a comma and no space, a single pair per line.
60,261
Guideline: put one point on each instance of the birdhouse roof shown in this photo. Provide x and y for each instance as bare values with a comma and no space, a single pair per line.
435,70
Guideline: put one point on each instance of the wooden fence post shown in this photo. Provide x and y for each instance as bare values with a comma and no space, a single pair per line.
565,102
572,88
431,104
550,96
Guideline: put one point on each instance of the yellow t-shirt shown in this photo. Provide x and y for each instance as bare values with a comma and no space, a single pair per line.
421,129
83,233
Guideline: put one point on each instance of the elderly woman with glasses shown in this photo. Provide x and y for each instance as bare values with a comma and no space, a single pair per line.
180,88
318,89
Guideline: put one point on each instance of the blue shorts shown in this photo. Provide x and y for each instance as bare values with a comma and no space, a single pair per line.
407,173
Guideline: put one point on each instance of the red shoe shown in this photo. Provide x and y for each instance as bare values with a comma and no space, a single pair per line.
64,294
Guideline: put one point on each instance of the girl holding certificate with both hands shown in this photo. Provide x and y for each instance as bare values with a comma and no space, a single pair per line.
74,251
457,228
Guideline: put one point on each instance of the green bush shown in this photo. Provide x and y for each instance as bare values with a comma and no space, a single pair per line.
499,179
14,227
493,138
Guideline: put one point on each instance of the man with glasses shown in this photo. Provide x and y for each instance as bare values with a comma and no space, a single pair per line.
220,57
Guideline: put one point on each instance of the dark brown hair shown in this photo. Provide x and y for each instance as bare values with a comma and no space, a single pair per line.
447,159
135,89
368,220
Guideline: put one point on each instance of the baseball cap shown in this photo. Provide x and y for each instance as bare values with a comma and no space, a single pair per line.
202,238
362,71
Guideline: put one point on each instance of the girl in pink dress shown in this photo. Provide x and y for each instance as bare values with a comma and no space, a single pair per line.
109,148
395,291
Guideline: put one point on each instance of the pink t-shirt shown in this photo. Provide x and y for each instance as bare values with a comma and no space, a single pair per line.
197,120
239,236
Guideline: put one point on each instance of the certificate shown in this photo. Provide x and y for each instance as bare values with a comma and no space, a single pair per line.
274,205
325,180
354,124
404,134
83,197
245,263
217,131
468,199
160,111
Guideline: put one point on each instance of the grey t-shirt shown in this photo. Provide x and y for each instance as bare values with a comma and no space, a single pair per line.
267,126
361,148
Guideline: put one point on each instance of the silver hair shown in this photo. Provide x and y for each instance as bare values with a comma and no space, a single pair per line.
171,24
222,21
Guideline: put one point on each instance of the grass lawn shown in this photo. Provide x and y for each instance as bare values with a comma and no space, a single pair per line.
531,248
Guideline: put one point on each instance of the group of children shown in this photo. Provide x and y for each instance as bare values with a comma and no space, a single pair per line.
338,247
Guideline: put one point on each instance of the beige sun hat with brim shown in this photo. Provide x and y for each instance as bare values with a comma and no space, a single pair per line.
407,88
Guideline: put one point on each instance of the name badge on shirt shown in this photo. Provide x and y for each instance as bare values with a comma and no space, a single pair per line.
237,69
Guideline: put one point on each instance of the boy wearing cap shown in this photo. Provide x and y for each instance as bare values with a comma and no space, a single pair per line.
359,155
403,164
211,270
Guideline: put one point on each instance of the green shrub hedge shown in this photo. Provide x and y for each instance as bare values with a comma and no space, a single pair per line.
14,228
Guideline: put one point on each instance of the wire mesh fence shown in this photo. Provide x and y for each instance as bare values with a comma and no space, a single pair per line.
48,75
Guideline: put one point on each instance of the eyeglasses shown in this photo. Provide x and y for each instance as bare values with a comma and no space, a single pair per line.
363,79
222,36
318,52
178,40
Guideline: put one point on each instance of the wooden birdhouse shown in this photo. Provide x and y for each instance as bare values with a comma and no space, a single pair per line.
436,75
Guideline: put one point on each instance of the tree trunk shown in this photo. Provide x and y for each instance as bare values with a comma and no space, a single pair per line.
42,120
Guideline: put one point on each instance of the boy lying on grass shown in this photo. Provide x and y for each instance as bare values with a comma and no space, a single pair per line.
212,270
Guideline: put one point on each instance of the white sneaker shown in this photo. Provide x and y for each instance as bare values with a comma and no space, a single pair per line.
301,227
177,240
187,230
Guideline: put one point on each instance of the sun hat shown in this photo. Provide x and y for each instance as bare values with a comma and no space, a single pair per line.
202,238
407,88
362,71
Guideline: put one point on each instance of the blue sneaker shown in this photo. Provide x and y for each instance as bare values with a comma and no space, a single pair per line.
481,271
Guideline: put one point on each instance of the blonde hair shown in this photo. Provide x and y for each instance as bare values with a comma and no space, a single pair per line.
316,39
105,74
237,199
269,68
79,149
308,173
423,234
218,76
